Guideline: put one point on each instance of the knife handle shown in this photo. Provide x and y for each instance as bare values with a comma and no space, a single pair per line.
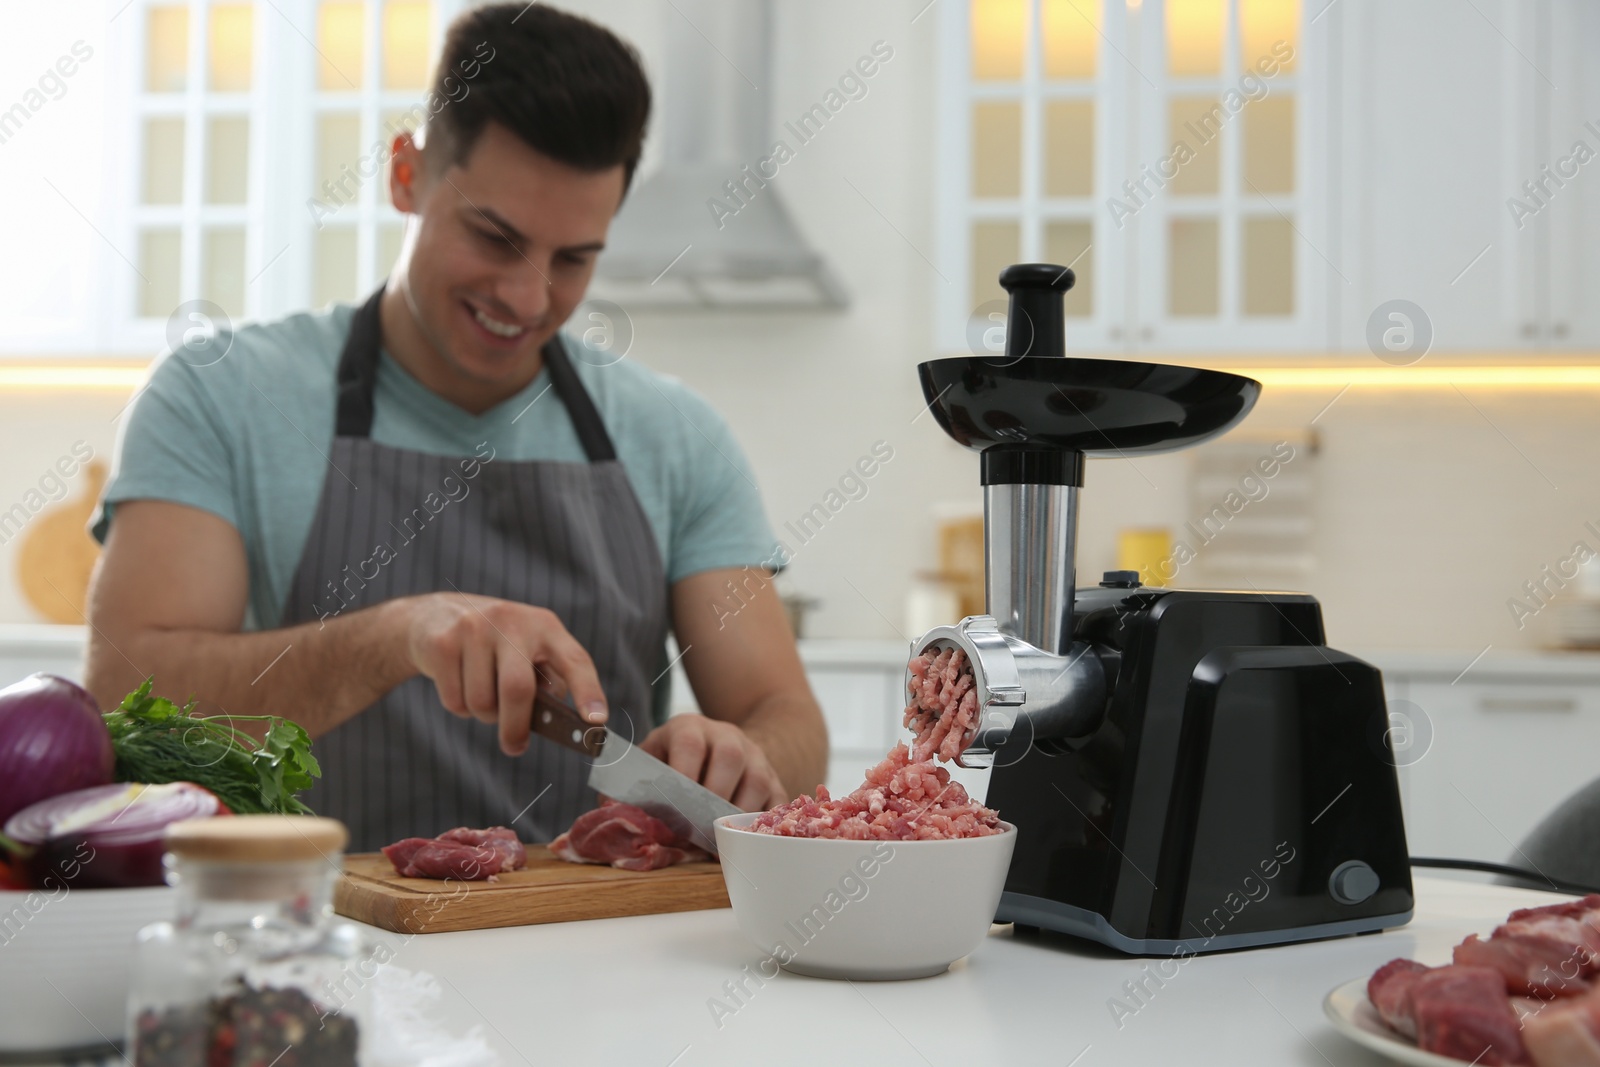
560,722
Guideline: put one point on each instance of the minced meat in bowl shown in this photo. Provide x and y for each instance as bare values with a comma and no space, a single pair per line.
898,879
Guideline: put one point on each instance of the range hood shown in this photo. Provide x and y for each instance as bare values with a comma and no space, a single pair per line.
672,245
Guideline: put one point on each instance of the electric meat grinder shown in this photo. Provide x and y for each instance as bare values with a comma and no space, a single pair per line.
1188,771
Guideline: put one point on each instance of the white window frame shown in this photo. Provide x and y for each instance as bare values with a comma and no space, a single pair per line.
283,104
957,209
1130,264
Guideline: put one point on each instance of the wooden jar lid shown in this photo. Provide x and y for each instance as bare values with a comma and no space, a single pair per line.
258,838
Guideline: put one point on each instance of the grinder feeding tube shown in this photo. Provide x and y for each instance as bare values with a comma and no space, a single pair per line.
1152,746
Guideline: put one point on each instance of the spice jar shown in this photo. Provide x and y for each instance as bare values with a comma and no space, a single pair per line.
255,971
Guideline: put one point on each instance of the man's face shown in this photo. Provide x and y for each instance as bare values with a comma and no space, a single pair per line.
504,245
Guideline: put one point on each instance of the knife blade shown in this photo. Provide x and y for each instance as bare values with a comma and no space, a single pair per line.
624,771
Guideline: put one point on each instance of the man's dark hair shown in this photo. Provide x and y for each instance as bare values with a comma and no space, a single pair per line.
565,86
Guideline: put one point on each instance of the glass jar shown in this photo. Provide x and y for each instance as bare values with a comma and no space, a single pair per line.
255,970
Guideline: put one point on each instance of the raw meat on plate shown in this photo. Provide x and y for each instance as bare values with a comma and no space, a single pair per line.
1543,952
1389,989
1564,1031
1526,994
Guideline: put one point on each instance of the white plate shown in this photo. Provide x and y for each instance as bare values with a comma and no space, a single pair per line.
1352,1013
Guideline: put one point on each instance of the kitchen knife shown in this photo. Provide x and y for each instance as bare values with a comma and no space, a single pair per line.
624,771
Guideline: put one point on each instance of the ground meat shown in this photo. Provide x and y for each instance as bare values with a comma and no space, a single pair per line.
462,853
624,836
943,709
906,797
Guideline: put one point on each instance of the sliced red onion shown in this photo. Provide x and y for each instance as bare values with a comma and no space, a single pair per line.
107,835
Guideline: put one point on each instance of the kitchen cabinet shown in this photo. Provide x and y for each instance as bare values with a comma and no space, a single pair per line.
1430,152
1504,754
1443,113
26,648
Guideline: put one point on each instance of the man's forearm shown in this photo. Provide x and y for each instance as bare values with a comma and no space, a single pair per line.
318,674
790,729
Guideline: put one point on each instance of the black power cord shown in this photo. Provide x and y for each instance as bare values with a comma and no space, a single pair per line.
1540,881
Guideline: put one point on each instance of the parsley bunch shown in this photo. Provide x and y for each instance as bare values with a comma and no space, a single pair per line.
156,741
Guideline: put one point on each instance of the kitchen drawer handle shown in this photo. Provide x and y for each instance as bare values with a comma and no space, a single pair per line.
1528,704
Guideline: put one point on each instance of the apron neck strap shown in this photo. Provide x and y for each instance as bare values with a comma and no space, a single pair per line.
358,377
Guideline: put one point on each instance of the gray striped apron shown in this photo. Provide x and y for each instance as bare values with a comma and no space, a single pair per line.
392,522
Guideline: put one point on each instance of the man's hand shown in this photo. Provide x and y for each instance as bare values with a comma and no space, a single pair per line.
488,656
719,756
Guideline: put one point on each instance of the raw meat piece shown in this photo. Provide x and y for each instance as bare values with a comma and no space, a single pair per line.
1389,989
1564,1032
624,836
513,856
462,853
905,797
1544,952
1464,1012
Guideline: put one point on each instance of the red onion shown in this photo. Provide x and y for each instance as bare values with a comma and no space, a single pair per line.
107,835
52,740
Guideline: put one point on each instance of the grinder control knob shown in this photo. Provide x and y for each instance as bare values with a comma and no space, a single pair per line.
1352,882
1120,580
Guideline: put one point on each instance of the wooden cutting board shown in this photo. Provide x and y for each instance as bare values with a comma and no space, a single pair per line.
548,890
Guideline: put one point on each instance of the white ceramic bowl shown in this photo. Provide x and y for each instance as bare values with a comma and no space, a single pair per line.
871,910
65,962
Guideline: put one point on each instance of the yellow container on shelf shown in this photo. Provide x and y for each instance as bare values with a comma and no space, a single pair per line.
1147,550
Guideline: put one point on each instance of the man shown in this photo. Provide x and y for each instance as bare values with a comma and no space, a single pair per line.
394,523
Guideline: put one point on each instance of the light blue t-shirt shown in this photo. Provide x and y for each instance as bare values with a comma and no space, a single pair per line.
246,438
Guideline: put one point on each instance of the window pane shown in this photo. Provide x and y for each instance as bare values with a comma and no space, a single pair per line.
340,32
1195,123
163,160
160,255
1269,145
1071,38
1069,148
334,266
994,247
338,152
390,236
1194,37
230,48
1068,243
1268,267
406,25
393,122
996,149
222,269
1192,267
1270,30
227,160
998,29
166,50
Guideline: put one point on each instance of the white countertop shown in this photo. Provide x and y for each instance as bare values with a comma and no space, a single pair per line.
637,991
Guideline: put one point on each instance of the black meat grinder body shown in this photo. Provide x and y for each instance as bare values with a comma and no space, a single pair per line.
1188,771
